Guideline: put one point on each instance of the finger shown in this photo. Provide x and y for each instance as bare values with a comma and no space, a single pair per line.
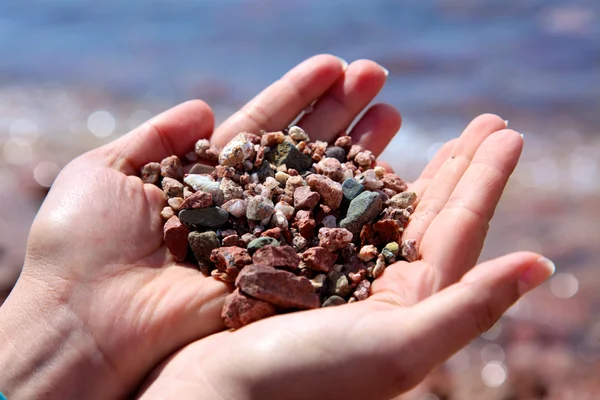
376,128
173,132
470,208
279,104
446,322
442,184
444,153
349,95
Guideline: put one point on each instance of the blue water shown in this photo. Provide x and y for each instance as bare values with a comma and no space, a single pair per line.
446,58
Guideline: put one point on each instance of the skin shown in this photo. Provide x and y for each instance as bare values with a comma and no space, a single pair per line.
104,302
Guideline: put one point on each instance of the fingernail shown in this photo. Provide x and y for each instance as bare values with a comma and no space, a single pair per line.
522,136
343,62
535,275
506,123
385,70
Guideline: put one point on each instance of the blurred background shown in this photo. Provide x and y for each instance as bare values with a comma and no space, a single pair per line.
75,74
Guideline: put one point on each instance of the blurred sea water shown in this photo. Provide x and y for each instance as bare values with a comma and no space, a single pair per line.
75,74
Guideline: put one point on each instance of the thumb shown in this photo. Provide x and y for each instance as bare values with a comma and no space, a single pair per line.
449,320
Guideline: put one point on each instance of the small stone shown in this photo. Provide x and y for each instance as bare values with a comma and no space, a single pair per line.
379,267
333,301
298,134
279,221
264,171
330,191
286,153
201,169
210,217
236,151
276,256
393,247
278,287
305,198
299,242
233,240
342,286
170,167
293,183
176,238
319,281
172,188
369,180
240,310
344,141
151,173
368,252
187,192
351,188
202,244
379,171
281,177
272,139
336,152
256,244
364,158
198,199
230,260
329,221
167,213
205,183
388,256
175,203
331,168
409,250
334,238
247,238
362,210
259,208
235,207
230,189
394,182
380,233
205,151
319,259
354,150
362,290
402,200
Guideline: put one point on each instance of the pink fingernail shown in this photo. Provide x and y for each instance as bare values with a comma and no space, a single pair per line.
535,275
343,62
385,70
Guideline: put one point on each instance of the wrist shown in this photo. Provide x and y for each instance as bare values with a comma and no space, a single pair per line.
45,352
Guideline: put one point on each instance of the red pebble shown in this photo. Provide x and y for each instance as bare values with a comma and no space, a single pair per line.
394,182
319,259
276,256
198,199
305,198
176,238
170,167
240,309
330,191
274,233
233,240
334,238
278,287
362,290
230,259
380,233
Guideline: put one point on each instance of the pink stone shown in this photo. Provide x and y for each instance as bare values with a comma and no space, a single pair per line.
272,139
344,142
380,233
230,259
198,199
276,256
281,288
172,188
331,168
151,173
330,191
170,167
319,259
362,290
240,310
233,240
274,233
305,198
176,238
334,238
394,182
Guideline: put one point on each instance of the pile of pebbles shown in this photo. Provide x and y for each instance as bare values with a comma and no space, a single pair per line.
294,224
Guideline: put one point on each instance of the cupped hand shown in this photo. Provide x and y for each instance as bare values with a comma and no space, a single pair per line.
99,292
419,314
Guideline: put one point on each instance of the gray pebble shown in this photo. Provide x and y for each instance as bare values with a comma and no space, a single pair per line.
210,217
261,242
336,152
333,301
362,210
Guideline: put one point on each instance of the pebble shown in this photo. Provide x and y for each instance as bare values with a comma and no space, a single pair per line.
319,259
334,238
299,242
329,221
333,301
172,188
393,247
279,220
264,172
202,244
210,217
240,310
344,141
236,151
271,139
298,134
207,184
362,290
402,200
380,233
205,151
342,286
175,202
176,238
331,168
286,153
388,256
285,208
281,288
368,252
369,180
276,256
198,199
351,188
201,169
167,213
362,210
281,177
233,240
379,267
330,191
305,198
256,244
409,250
336,152
230,260
247,238
230,189
394,182
170,167
364,158
235,207
259,208
151,173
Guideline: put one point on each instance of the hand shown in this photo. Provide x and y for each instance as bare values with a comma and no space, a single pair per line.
99,293
419,314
